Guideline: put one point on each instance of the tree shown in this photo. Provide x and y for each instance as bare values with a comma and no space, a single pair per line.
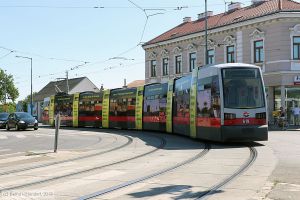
8,89
26,101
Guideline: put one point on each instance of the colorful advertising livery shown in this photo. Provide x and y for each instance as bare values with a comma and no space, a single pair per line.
223,102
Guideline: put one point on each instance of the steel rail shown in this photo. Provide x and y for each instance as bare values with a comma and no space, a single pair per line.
161,146
161,172
129,141
252,157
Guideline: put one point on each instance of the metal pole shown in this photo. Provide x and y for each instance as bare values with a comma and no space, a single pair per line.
206,42
4,82
67,76
30,80
57,125
31,86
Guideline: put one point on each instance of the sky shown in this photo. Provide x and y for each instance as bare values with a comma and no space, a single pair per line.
99,39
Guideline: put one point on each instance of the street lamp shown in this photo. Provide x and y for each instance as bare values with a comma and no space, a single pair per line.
30,80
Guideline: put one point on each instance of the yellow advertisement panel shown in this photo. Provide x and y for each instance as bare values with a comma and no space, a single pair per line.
193,104
169,111
139,108
75,109
51,111
105,109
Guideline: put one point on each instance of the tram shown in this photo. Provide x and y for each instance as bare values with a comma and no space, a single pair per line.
224,103
90,109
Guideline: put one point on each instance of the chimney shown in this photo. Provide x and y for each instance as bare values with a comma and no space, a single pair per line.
125,84
234,6
187,19
279,4
202,15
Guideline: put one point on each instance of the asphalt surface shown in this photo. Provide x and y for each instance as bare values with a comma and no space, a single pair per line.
93,160
284,182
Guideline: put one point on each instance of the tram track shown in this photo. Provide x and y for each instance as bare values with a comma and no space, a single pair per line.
129,141
138,180
251,159
160,146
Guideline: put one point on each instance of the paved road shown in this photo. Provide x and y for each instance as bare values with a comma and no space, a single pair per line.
43,140
284,182
91,160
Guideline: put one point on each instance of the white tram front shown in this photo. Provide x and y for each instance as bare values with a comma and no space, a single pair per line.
231,103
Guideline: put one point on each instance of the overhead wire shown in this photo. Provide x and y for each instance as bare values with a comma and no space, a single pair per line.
110,7
131,48
85,63
7,54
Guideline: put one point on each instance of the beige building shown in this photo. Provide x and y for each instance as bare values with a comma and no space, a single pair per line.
266,33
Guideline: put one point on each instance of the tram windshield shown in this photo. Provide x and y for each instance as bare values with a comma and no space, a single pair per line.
243,88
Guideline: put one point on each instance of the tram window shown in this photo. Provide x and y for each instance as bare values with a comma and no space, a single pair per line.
242,88
208,97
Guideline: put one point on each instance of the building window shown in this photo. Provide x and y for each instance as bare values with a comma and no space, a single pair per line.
153,68
165,65
258,51
177,64
192,59
211,56
296,47
230,54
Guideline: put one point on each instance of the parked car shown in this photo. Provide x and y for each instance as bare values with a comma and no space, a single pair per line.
3,119
21,120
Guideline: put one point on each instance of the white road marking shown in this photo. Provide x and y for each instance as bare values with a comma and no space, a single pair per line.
11,154
14,159
20,136
3,137
12,181
3,150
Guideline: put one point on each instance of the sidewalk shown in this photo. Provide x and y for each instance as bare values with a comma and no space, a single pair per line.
290,128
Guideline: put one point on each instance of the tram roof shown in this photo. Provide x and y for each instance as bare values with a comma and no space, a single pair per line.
227,65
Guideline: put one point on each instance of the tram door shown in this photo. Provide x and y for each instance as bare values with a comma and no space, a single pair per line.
90,109
63,105
155,105
181,106
122,108
208,108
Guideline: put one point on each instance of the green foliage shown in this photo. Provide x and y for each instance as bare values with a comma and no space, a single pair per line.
27,99
9,107
7,87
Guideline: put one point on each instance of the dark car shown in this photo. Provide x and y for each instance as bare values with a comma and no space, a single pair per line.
3,119
21,120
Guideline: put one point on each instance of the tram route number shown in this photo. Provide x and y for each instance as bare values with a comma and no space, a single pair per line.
246,121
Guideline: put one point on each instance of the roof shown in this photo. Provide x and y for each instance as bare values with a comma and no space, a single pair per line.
225,65
136,83
230,17
52,88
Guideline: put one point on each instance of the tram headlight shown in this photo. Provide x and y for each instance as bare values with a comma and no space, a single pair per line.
229,116
260,115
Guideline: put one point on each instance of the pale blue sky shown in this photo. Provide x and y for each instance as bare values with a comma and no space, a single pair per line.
74,30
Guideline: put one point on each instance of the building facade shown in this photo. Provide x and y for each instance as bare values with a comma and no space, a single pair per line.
75,85
266,34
